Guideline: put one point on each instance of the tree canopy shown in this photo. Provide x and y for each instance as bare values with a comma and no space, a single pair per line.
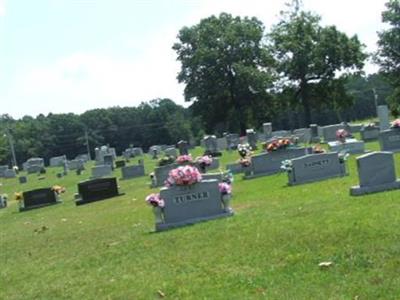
225,69
388,54
313,61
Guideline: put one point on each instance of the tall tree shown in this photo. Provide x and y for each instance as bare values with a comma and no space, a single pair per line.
388,54
225,69
313,61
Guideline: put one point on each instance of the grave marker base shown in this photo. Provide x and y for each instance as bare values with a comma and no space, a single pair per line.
164,226
358,191
21,209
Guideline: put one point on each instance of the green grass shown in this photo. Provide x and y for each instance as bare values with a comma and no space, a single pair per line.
270,249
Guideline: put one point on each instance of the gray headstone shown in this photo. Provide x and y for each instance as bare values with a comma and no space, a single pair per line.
233,140
376,173
389,140
210,143
383,115
57,161
267,130
183,147
132,171
235,168
161,174
101,171
369,133
10,173
303,135
2,170
316,167
191,204
314,133
329,132
281,133
252,138
270,163
351,146
222,144
171,152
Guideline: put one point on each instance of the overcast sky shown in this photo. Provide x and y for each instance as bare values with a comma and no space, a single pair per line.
74,55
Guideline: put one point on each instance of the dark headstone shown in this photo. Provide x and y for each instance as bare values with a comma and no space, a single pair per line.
120,163
38,198
97,189
23,179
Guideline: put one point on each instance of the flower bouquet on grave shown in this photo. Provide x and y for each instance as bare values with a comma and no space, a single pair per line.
166,160
287,165
395,124
277,145
203,162
244,150
184,159
341,135
245,162
343,156
183,176
158,204
226,195
317,149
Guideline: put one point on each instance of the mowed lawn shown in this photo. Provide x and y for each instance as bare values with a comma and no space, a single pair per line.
270,249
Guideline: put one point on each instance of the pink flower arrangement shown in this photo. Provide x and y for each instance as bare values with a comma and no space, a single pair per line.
155,200
184,175
395,124
204,160
341,135
182,159
224,188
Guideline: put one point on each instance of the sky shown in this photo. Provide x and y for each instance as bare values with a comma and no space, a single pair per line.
64,56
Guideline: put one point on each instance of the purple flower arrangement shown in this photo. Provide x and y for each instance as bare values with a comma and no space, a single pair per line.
225,188
155,200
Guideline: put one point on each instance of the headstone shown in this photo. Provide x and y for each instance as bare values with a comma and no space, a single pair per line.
267,129
33,162
2,170
219,176
109,160
38,198
314,133
236,168
252,138
137,151
210,143
269,163
171,152
316,167
222,144
155,151
75,164
10,173
376,173
214,164
233,140
355,128
101,171
183,147
351,146
84,157
383,115
161,174
22,179
96,190
369,133
303,135
57,161
132,171
329,132
191,204
389,140
281,133
120,163
3,201
31,169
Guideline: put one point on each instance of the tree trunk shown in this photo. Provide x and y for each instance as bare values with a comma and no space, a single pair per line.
305,103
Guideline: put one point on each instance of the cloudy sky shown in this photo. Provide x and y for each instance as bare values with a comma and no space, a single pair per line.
74,55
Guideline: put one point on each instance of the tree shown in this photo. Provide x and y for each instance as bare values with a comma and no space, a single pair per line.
313,61
388,54
225,69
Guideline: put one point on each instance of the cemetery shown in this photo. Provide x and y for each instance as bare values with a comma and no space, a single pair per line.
274,174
